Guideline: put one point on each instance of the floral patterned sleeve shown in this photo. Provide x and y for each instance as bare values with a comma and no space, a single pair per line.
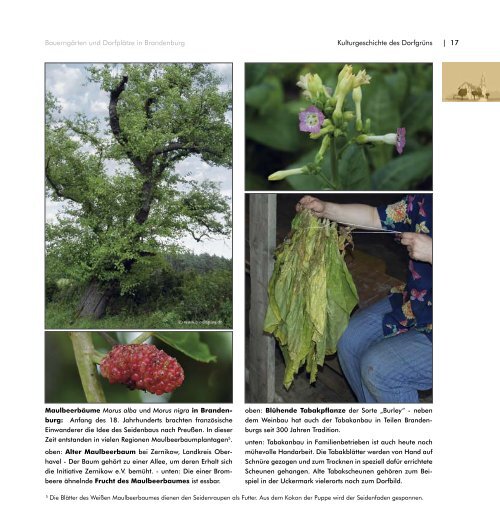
411,214
397,216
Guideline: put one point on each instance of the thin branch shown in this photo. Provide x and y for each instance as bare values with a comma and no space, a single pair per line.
178,146
199,237
83,348
56,187
92,140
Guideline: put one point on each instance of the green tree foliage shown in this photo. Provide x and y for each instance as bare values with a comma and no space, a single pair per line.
124,201
207,296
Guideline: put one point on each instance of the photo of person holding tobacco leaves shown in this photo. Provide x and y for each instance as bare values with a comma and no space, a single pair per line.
386,351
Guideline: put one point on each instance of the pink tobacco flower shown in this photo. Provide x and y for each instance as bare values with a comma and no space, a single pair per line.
397,139
400,140
310,120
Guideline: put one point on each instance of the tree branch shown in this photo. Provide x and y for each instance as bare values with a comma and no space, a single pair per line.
199,237
209,229
147,109
146,197
114,120
114,124
94,141
60,192
84,355
178,146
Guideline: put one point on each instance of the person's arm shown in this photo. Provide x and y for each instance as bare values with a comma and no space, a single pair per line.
354,214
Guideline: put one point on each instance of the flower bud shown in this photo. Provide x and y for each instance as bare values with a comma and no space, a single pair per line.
313,87
357,96
282,174
325,144
361,78
327,128
346,72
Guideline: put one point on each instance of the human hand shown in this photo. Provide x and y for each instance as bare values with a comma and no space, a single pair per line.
316,206
419,246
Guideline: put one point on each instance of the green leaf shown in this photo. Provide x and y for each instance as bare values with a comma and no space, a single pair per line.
405,172
384,114
254,73
397,83
266,96
418,113
353,169
278,129
381,108
188,343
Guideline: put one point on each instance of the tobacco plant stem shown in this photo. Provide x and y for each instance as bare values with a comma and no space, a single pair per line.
334,163
325,180
84,353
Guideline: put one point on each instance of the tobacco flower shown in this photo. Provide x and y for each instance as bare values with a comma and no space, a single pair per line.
310,120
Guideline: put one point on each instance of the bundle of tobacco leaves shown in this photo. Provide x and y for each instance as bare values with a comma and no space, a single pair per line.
311,294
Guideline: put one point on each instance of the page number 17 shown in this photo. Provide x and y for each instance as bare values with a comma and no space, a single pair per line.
452,42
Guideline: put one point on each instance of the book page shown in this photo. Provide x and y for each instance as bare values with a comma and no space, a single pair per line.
222,225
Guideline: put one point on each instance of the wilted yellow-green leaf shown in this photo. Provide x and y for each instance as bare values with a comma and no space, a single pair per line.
311,295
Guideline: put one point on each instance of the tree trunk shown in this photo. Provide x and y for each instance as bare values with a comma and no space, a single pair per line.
94,300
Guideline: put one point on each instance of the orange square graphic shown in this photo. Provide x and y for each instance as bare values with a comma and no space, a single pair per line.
471,82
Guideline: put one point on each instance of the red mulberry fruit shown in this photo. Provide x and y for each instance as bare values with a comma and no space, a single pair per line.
142,366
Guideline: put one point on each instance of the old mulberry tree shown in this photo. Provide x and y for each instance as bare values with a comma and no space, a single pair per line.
123,201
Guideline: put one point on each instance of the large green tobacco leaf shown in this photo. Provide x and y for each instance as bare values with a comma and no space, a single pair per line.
418,113
385,117
254,73
277,129
354,172
405,171
265,96
311,295
188,343
380,107
398,86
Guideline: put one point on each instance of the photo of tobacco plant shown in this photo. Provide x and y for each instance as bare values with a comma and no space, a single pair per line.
138,367
338,126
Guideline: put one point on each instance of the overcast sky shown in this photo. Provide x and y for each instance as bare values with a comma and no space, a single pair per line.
67,82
